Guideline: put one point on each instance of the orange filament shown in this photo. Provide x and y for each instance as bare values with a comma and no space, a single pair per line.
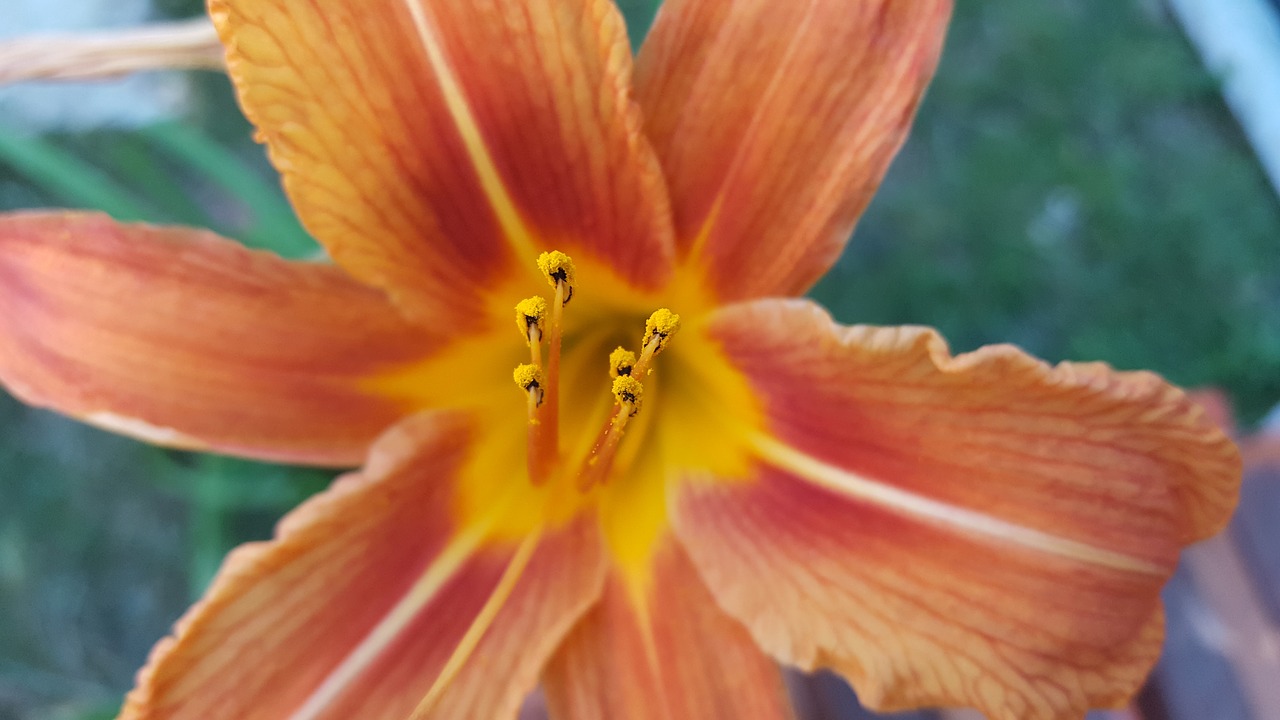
628,390
533,381
542,383
559,271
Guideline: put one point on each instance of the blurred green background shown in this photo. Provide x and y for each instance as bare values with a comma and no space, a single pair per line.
1074,184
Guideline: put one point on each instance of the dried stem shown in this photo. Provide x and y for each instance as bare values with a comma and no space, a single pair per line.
190,44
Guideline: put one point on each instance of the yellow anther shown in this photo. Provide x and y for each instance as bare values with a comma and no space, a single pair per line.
530,313
558,268
527,376
628,391
661,325
621,360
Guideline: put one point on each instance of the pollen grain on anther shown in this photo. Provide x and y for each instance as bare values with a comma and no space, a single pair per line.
530,315
621,361
661,326
560,273
629,392
529,378
533,381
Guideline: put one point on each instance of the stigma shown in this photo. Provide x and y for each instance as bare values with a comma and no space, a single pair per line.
539,320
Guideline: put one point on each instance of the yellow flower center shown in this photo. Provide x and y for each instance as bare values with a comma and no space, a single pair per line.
606,424
535,319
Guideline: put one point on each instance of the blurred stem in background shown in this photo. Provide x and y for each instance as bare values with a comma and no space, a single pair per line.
63,176
139,184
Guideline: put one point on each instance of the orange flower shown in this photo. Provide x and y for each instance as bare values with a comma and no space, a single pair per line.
762,486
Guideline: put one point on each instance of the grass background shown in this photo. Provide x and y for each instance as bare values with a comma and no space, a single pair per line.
1073,185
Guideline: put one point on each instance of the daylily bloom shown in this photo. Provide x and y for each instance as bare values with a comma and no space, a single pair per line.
644,532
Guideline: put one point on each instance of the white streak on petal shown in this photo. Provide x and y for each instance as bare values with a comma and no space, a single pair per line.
142,430
903,502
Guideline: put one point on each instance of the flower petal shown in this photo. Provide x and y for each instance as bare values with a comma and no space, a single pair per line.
422,141
775,121
663,651
373,602
979,530
183,338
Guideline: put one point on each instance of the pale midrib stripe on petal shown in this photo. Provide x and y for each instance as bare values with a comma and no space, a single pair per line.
909,504
481,624
644,616
445,566
503,206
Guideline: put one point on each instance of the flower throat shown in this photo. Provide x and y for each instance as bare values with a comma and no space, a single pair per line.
539,320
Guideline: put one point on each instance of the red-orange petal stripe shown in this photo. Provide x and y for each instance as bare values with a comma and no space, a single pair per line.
775,121
423,141
666,652
982,530
183,338
372,602
917,616
893,403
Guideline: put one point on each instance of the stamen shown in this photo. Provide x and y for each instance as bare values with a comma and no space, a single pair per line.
628,391
537,319
661,326
530,313
560,271
544,428
628,372
629,394
621,361
531,379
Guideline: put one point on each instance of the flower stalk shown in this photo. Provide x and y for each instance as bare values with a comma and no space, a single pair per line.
185,45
